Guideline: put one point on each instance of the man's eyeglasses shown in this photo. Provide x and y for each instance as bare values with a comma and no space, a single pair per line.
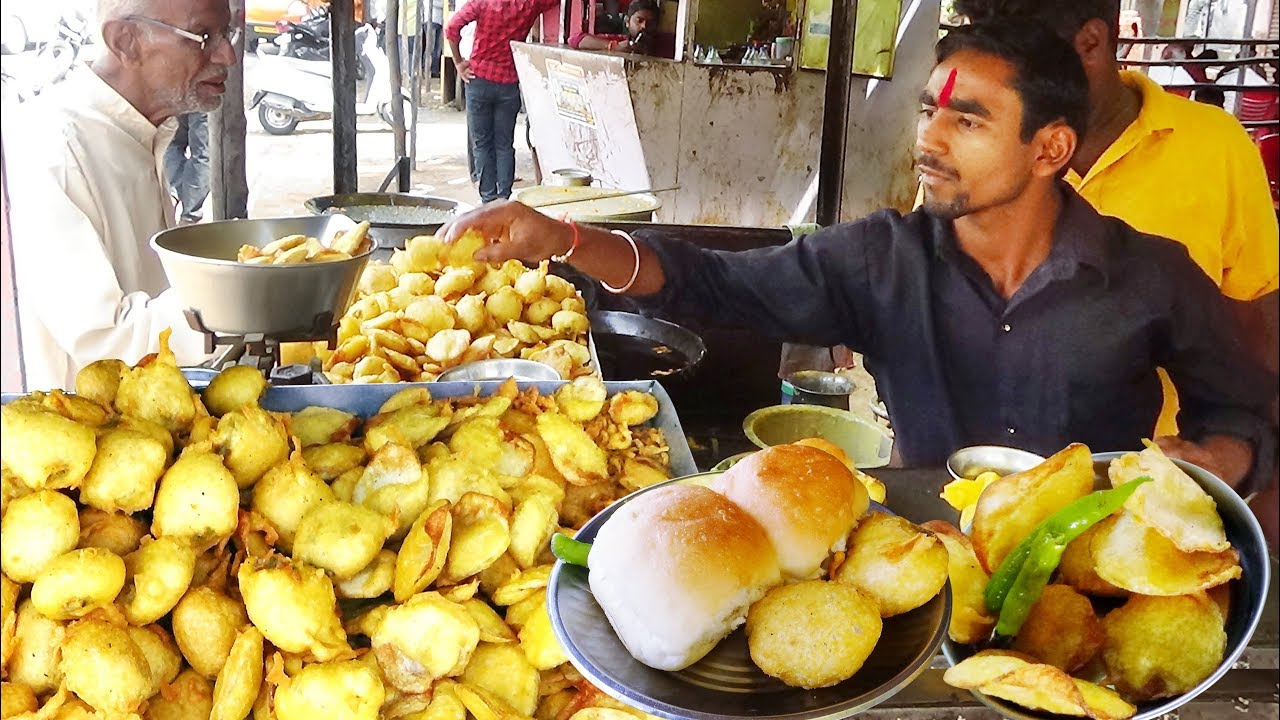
206,41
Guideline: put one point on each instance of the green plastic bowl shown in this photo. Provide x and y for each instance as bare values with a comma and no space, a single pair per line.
866,443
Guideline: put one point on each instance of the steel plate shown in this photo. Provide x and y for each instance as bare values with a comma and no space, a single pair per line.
1248,594
725,683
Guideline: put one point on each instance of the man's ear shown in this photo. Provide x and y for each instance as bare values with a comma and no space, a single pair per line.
1057,143
122,40
1094,43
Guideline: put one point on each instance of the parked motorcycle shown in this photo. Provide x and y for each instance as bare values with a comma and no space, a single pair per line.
307,39
291,90
52,61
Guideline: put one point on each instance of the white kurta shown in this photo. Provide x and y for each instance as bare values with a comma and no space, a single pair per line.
86,190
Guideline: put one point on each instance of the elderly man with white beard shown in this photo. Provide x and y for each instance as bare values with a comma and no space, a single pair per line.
84,166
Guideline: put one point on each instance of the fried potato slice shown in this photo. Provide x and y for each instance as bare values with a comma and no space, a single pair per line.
321,425
163,658
318,690
503,670
1158,647
574,453
233,388
1172,504
8,618
77,582
522,585
1062,629
413,425
341,537
898,564
782,641
537,639
1040,687
205,625
423,552
493,629
481,534
1078,569
1011,507
581,399
485,705
374,580
425,638
984,667
17,699
1135,557
117,532
288,491
1103,703
188,697
970,622
294,606
632,407
104,667
533,522
157,576
332,459
240,678
37,529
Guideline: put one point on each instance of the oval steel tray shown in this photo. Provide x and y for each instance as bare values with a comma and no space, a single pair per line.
725,683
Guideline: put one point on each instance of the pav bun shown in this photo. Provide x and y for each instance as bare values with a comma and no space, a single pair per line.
675,571
806,500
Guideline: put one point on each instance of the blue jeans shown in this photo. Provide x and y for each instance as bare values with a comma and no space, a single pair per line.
186,163
491,118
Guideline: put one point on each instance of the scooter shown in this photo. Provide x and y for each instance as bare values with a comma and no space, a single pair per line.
292,90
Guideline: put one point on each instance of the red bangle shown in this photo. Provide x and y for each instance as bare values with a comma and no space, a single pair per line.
576,239
612,44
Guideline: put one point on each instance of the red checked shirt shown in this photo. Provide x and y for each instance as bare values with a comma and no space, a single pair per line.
498,22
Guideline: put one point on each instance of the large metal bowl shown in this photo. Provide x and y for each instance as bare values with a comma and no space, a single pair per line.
234,298
1248,594
500,369
726,683
390,233
866,443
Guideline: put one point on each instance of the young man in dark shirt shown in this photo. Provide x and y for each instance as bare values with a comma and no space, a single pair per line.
1005,311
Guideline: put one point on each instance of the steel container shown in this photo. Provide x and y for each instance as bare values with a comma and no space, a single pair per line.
288,302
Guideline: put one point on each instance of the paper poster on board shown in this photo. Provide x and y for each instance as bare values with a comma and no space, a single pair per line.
569,89
874,36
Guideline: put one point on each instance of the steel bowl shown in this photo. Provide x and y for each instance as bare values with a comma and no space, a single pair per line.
969,461
726,684
288,302
1248,593
866,443
570,177
390,234
499,369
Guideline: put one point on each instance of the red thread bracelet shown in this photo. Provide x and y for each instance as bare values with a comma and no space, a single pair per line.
577,238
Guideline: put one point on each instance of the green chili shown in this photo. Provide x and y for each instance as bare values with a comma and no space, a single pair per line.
1030,568
570,550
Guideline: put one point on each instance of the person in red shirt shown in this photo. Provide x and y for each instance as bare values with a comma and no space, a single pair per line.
642,18
493,90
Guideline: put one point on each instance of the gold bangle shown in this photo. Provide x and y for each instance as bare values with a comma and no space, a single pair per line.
635,249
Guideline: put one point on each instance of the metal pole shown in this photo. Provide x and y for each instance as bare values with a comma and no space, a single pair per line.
397,105
835,111
423,49
342,49
228,181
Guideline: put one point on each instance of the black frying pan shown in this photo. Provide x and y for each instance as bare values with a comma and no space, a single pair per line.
635,347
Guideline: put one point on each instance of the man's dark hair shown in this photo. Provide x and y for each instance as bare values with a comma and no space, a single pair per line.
650,5
1047,74
1064,17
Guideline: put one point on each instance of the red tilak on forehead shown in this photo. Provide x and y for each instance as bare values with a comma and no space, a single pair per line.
944,96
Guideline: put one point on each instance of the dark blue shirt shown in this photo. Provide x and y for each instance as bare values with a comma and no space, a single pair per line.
1071,357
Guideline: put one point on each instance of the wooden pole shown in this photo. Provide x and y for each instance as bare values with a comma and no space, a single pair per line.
342,48
835,111
397,90
228,182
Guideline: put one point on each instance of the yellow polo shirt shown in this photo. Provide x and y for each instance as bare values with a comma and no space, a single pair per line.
1189,172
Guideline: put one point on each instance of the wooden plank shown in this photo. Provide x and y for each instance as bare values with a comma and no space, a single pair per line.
229,183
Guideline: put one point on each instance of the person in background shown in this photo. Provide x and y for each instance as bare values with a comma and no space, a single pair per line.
186,165
1006,311
435,28
89,191
1171,167
641,21
493,88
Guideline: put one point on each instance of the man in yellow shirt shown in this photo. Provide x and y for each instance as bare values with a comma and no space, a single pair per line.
1168,166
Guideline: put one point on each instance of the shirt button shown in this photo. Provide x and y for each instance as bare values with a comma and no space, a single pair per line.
1006,327
1011,430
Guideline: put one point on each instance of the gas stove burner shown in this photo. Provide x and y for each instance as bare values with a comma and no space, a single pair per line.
263,352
